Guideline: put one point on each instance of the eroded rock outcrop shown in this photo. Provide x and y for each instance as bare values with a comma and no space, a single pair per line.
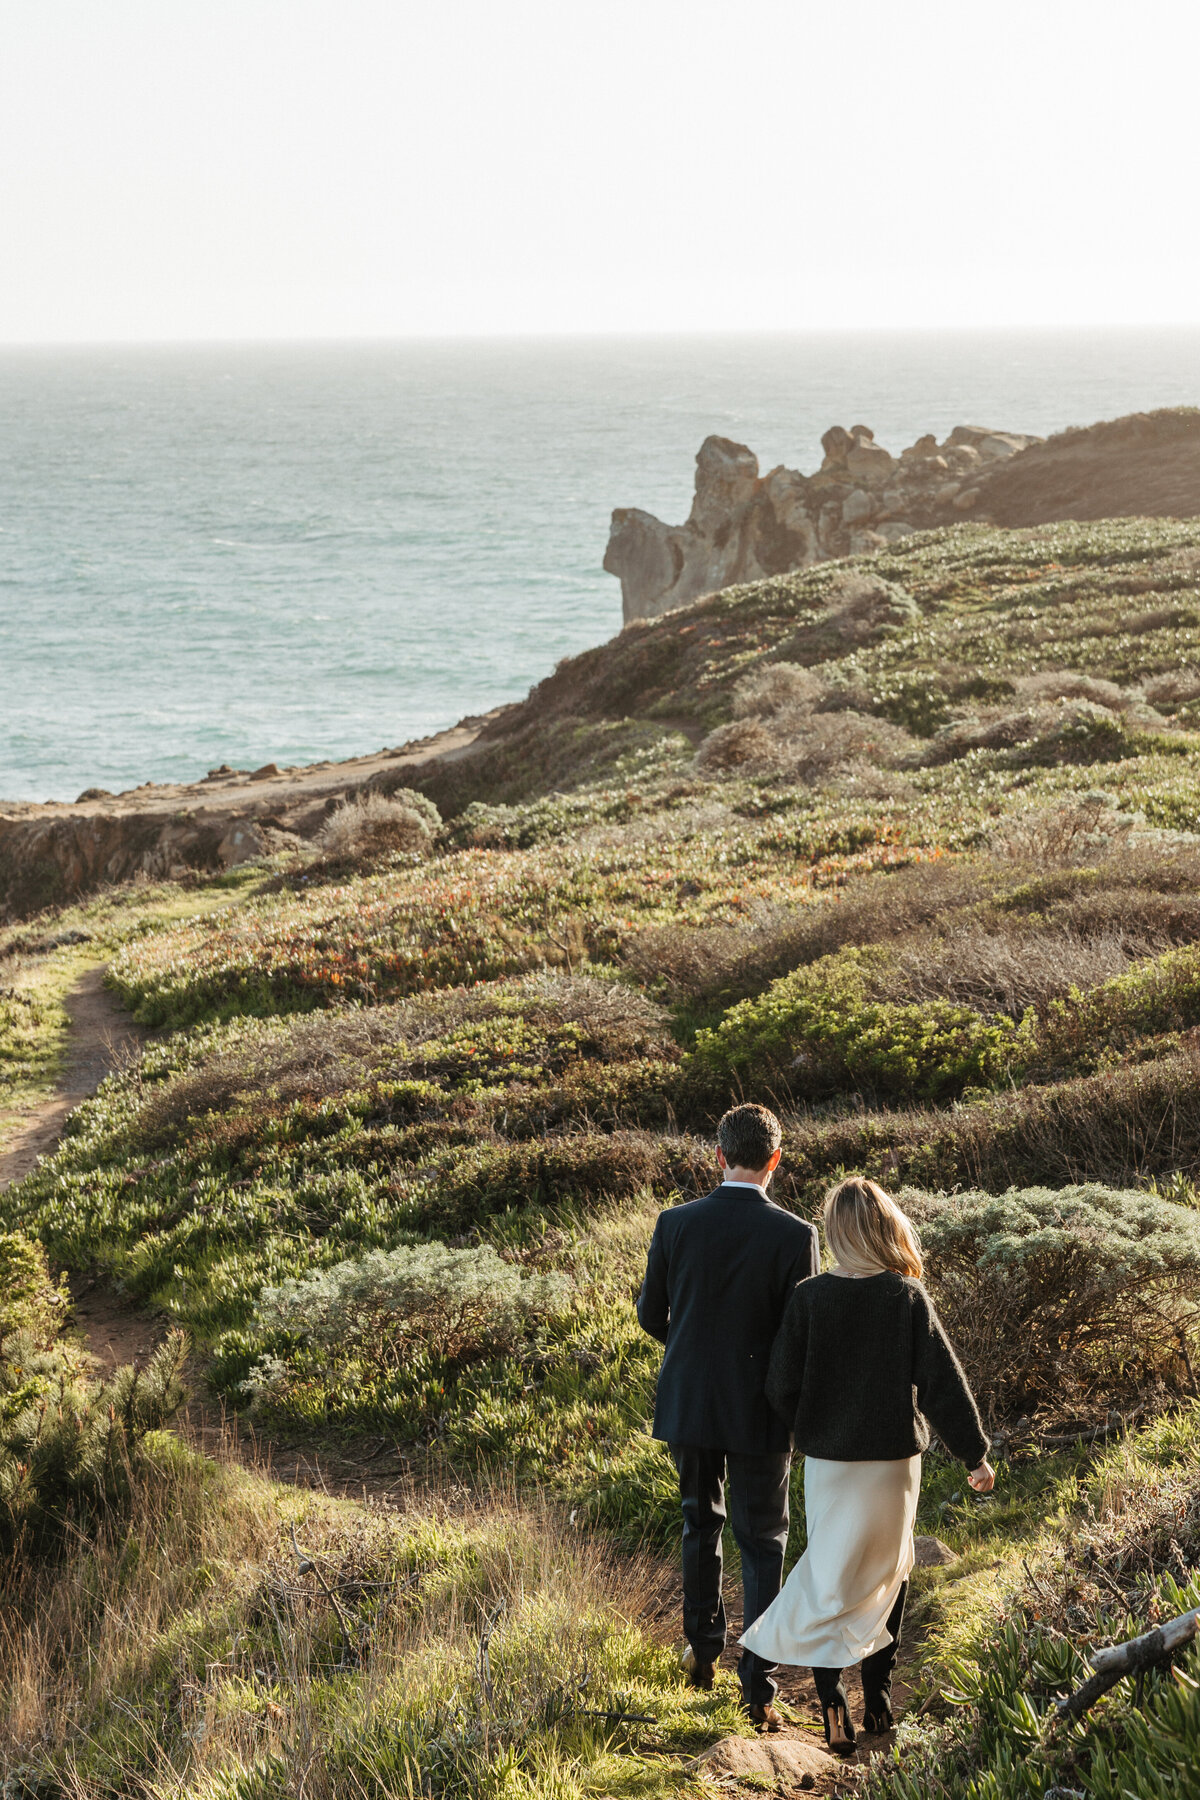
741,525
744,525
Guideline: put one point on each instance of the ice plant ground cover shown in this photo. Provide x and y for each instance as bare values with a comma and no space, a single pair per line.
909,848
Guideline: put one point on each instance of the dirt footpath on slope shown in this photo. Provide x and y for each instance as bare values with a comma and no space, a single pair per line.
101,1038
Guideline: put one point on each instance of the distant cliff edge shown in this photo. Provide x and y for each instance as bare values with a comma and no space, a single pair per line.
744,525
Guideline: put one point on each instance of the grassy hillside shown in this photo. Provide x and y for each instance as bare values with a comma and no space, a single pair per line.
910,848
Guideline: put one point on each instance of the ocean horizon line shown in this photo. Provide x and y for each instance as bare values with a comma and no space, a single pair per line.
534,336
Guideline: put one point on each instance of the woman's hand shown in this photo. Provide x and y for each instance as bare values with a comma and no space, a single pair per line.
983,1479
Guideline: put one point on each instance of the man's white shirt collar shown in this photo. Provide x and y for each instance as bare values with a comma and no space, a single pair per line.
755,1187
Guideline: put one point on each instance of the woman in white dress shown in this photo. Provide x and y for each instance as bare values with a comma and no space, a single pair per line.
863,1367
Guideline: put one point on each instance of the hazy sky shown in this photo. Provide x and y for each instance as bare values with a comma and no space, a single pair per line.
284,168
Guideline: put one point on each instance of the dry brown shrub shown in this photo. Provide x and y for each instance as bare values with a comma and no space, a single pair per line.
321,1055
846,696
800,745
744,745
1121,1126
689,961
1068,684
1089,828
993,728
861,604
1173,689
778,937
373,824
1006,971
771,686
1068,925
1138,915
816,746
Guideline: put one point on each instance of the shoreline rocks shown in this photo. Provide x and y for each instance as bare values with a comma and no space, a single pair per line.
55,853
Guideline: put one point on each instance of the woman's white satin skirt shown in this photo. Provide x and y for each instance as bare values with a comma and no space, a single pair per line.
833,1607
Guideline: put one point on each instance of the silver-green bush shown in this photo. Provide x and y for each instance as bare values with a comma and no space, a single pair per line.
1062,1297
454,1304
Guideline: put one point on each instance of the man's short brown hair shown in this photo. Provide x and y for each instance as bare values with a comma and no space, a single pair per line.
749,1136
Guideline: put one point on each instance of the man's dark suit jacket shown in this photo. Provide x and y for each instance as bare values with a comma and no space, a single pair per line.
720,1273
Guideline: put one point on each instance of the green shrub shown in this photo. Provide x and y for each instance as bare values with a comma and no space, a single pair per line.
1064,1298
69,1446
31,1301
1157,996
425,1299
817,1032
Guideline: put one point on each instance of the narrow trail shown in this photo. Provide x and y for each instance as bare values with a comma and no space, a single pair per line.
103,1038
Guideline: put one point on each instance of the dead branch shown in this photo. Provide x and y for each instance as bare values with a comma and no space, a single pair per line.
306,1565
1150,1651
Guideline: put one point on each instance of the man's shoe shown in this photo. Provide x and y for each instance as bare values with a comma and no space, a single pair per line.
699,1674
765,1717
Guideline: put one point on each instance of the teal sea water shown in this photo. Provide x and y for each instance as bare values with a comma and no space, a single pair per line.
250,553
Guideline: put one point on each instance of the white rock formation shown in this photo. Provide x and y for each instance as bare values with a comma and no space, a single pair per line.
744,525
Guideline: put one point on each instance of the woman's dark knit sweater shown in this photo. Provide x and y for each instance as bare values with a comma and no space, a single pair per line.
863,1367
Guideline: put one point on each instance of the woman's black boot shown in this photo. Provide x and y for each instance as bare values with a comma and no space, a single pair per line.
835,1712
877,1711
877,1673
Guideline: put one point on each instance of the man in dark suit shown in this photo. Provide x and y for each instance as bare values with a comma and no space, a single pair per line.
719,1275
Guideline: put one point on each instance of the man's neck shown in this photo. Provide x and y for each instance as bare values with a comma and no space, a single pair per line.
747,1178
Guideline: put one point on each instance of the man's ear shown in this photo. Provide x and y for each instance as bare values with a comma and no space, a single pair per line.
721,1158
774,1162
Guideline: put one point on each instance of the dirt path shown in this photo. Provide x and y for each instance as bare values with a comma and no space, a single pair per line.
102,1037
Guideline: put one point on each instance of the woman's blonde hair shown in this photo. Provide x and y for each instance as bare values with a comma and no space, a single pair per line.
867,1232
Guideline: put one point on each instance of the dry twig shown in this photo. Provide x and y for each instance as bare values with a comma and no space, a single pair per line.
1150,1651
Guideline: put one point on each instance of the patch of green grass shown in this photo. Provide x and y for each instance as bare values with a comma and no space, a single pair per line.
33,1028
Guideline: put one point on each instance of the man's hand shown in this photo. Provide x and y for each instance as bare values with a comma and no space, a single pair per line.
983,1479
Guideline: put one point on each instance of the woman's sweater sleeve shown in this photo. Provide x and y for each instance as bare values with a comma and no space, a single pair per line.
785,1372
943,1392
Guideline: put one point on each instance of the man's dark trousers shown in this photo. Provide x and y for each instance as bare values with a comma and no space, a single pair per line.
758,1514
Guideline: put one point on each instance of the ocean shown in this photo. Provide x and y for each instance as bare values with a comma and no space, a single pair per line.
250,553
